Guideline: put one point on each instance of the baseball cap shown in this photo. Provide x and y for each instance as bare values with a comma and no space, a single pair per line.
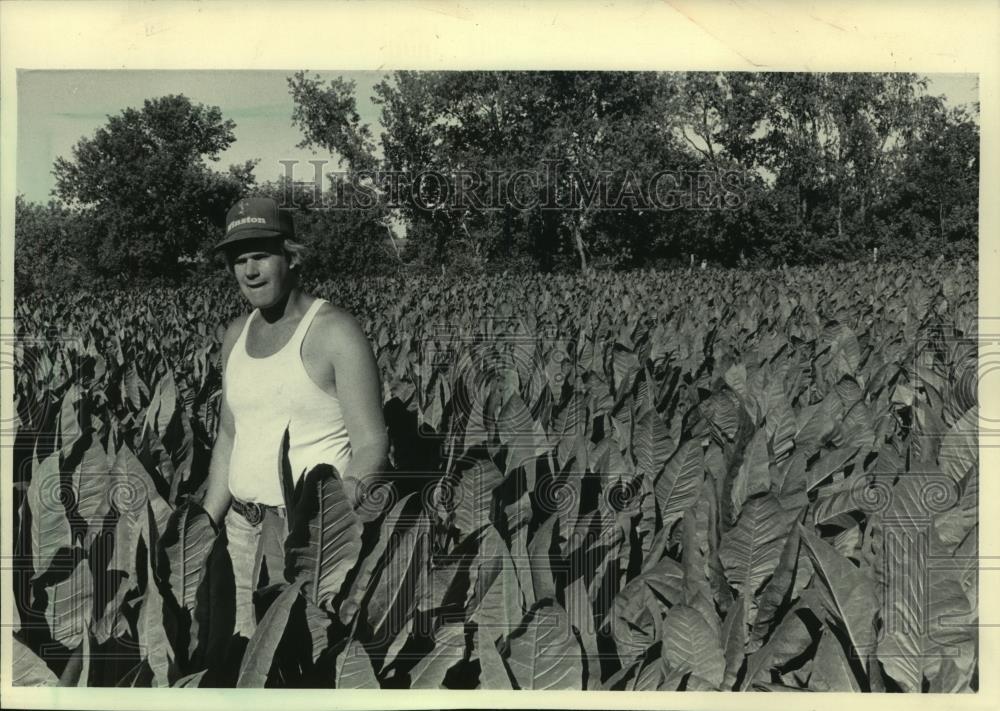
256,217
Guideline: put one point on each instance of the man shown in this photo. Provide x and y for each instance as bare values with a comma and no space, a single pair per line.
297,363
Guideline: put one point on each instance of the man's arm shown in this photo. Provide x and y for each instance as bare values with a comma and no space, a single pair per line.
217,496
360,393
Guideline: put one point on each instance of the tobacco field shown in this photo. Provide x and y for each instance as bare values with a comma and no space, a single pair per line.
677,480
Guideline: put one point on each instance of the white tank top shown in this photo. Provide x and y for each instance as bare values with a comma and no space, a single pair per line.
267,394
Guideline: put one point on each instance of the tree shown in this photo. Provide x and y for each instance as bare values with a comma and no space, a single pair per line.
338,241
144,181
553,166
50,247
719,116
328,117
829,144
568,143
348,233
931,206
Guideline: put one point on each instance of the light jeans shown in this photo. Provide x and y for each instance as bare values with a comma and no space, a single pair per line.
255,550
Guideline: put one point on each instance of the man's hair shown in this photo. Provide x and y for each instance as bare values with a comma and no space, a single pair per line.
294,250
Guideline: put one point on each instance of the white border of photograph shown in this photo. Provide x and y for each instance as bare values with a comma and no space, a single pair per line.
917,35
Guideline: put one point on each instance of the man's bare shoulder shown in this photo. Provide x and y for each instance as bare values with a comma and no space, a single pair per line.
338,327
232,331
231,334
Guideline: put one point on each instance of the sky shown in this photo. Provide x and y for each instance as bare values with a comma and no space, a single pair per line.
58,108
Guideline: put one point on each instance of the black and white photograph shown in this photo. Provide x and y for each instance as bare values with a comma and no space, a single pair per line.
439,375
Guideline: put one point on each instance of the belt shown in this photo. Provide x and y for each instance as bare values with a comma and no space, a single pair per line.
253,511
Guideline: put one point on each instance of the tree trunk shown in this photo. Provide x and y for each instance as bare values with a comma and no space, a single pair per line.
840,216
578,240
395,246
508,238
580,223
802,208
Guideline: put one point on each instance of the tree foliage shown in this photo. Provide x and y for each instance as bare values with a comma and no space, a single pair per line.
338,240
551,170
151,197
829,165
346,230
51,247
562,145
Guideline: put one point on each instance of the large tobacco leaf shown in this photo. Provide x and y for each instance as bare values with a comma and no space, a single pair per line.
448,650
635,463
751,550
368,568
678,484
50,529
492,671
925,610
259,655
755,473
392,598
69,609
691,645
325,541
29,669
847,593
544,654
185,546
354,668
155,646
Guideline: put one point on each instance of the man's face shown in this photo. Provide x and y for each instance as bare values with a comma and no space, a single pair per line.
262,270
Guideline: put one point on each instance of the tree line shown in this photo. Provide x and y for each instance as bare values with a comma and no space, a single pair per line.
542,170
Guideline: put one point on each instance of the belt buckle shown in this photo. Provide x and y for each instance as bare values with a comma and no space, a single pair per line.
253,512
